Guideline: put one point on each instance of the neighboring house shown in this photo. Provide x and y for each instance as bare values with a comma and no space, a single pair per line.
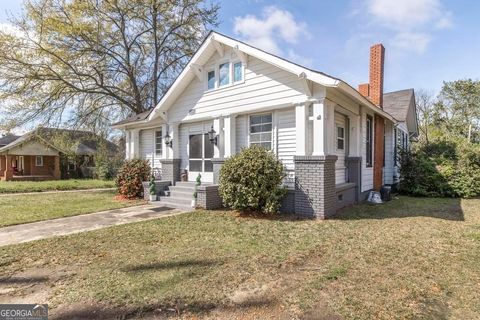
336,143
7,139
39,155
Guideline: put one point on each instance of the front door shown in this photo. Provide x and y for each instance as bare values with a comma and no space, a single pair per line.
200,154
21,164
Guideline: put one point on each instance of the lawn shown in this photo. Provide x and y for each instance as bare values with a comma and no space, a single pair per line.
410,258
54,185
16,209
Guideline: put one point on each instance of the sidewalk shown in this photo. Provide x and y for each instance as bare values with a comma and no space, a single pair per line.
86,222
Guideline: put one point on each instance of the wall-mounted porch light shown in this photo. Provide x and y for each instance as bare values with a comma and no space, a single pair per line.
168,140
212,136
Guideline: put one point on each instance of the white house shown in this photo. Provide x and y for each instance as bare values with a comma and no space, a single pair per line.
336,143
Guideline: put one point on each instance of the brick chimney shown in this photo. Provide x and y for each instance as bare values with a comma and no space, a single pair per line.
374,89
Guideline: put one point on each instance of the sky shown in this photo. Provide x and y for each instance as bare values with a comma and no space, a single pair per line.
426,41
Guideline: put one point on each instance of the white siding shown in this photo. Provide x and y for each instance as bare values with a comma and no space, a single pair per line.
340,120
389,154
264,85
286,145
147,147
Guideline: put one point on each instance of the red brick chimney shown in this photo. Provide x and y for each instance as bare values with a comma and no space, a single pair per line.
374,89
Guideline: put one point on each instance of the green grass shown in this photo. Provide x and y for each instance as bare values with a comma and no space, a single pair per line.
410,258
54,185
16,209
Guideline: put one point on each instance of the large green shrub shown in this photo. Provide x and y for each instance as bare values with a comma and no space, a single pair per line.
441,168
252,181
130,177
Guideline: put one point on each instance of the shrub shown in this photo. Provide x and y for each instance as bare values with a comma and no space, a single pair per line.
252,181
130,177
107,169
445,168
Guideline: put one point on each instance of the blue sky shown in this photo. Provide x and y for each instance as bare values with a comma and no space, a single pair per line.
426,41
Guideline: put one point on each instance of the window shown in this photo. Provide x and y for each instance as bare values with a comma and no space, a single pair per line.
158,142
211,80
369,141
224,74
261,130
39,161
340,138
237,72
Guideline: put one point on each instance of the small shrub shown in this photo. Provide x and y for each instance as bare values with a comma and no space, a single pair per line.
152,188
107,169
130,177
252,181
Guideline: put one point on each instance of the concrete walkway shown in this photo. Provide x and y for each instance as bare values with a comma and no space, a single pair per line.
86,222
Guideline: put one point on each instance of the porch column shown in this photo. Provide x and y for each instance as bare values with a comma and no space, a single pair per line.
56,168
229,127
171,164
315,193
135,143
218,148
165,148
301,118
8,174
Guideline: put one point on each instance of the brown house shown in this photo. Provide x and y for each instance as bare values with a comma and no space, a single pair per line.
29,157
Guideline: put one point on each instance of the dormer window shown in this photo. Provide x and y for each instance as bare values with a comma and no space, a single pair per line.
211,80
237,72
224,74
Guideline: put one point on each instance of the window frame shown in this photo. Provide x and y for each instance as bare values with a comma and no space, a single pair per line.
259,143
235,62
229,74
215,83
155,136
337,126
36,161
369,141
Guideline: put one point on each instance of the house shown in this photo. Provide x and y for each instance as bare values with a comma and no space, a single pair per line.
336,142
51,154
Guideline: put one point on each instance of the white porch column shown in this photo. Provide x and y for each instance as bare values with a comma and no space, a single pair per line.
229,128
301,118
218,127
323,128
164,133
173,152
356,136
135,143
127,144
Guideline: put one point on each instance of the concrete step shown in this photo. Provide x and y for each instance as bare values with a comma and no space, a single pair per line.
181,189
175,202
181,194
185,184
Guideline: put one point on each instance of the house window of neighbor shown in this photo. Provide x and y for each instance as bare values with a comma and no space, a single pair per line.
211,80
369,141
340,138
158,142
261,130
237,72
224,74
39,161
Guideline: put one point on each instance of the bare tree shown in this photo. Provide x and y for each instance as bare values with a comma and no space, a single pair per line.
425,107
90,62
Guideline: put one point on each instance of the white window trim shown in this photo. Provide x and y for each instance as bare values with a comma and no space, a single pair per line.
337,137
234,62
155,142
215,85
230,79
249,127
36,161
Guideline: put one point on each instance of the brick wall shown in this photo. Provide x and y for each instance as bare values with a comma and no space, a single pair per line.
171,170
208,197
315,186
160,187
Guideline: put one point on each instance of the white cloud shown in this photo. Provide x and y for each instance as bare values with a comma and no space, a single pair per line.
407,15
10,29
408,41
269,31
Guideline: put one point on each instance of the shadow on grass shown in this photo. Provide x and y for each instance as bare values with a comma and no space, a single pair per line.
153,311
171,265
22,280
406,207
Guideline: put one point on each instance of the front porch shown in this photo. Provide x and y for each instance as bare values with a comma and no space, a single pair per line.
29,167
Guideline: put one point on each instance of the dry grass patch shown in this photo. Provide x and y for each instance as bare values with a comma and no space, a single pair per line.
410,258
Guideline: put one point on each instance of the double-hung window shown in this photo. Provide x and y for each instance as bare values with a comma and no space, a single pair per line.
224,74
158,143
237,72
211,80
369,142
340,138
261,130
39,161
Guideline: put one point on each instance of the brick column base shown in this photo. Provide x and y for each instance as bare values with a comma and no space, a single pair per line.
208,197
171,170
217,166
315,194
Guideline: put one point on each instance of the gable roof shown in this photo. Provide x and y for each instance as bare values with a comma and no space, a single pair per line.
199,59
26,138
397,103
7,139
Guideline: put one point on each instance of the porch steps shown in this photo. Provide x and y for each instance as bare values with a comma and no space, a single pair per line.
181,195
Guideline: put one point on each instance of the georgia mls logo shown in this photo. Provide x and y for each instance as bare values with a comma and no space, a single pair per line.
23,312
